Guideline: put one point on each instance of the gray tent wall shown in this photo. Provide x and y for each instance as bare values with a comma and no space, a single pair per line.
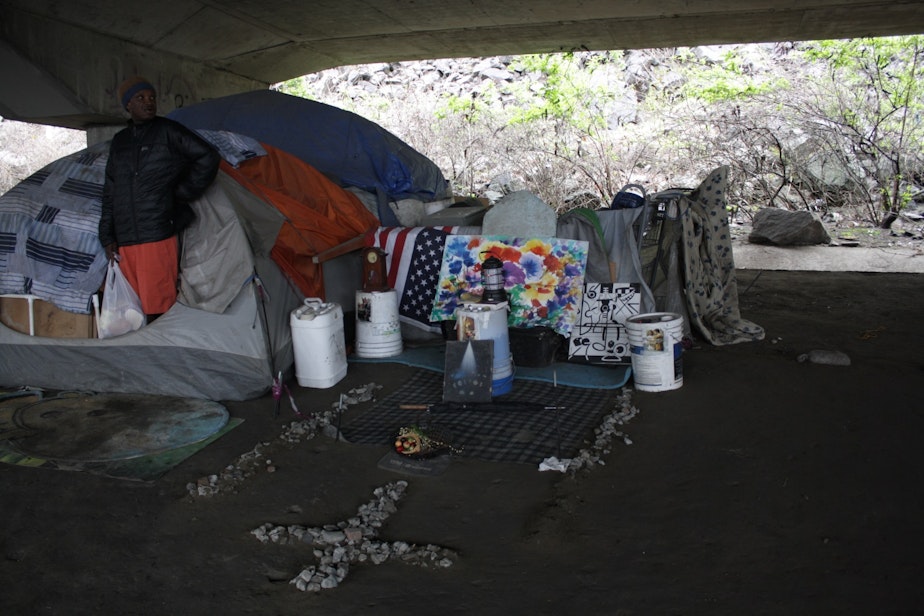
225,345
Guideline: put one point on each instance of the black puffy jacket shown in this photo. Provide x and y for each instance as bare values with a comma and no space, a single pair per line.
152,169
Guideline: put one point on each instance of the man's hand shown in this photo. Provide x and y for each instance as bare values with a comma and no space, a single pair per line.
111,251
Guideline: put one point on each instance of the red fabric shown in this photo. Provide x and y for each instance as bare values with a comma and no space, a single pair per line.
320,214
152,270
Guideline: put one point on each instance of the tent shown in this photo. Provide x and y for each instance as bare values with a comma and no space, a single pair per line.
228,334
350,149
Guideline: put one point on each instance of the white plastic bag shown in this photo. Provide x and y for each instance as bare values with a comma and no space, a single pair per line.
121,312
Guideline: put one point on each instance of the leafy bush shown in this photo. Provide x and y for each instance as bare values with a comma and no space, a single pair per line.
821,126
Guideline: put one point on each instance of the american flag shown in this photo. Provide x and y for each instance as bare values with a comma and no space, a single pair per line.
415,255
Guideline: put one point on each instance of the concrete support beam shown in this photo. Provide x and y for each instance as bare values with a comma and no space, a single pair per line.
51,77
66,59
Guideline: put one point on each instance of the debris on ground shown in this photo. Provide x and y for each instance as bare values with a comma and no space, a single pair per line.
258,459
822,356
604,435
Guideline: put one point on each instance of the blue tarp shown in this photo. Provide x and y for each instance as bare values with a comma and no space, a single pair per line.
339,143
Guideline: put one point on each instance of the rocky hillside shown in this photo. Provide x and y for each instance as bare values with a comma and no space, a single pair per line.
576,129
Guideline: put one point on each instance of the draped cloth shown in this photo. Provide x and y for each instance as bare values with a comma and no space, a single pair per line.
318,213
709,265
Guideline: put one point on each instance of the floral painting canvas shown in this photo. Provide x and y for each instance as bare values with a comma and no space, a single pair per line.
543,277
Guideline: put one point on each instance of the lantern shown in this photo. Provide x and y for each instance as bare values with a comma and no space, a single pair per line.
492,280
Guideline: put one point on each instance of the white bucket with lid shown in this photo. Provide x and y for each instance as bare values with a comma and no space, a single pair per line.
656,346
378,329
319,344
489,322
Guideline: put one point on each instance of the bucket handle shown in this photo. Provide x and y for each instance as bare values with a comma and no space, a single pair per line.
309,303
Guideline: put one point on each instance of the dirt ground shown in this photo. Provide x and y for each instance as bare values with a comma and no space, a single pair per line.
762,486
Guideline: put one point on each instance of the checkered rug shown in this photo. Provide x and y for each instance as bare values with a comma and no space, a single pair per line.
516,427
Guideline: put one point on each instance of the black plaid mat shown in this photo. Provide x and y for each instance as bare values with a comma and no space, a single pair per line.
517,429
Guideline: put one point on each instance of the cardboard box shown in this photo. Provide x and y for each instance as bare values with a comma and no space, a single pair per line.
600,335
48,320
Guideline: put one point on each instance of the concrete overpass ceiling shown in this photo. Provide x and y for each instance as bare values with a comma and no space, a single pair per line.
206,48
249,37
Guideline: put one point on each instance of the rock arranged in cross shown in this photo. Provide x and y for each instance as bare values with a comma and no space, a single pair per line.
354,540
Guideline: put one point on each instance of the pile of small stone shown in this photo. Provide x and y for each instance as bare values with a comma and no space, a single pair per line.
328,421
245,466
258,459
337,546
605,433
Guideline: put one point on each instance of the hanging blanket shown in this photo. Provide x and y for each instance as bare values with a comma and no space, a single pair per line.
709,265
49,225
48,231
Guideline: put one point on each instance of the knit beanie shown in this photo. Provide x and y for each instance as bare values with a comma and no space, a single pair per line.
132,86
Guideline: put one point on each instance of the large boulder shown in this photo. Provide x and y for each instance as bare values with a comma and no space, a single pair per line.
785,228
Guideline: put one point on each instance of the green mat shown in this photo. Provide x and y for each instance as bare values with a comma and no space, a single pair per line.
142,468
128,436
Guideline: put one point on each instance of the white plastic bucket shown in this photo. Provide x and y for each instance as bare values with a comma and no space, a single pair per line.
378,330
318,342
489,322
656,346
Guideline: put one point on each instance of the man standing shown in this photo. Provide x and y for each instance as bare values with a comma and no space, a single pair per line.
156,167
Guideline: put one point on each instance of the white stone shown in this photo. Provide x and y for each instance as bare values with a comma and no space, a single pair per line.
332,536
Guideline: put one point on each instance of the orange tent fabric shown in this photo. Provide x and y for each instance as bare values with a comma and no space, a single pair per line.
319,213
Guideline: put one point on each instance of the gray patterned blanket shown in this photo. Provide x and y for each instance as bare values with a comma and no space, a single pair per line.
49,244
709,265
48,231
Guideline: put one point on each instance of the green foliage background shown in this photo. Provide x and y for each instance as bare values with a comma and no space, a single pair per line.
821,125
